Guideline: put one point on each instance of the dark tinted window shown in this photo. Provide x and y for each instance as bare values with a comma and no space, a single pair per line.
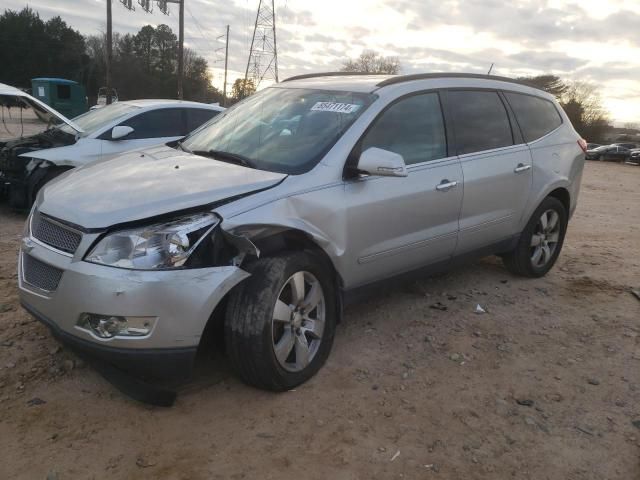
536,116
199,116
164,122
412,127
64,92
481,121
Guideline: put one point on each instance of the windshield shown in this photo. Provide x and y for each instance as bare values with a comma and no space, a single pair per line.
285,130
96,119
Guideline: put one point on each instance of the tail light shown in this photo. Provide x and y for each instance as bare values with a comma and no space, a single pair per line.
583,144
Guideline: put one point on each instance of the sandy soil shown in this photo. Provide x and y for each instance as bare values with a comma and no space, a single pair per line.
546,385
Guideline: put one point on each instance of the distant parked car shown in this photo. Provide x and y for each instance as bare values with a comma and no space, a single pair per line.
635,156
609,152
29,162
630,146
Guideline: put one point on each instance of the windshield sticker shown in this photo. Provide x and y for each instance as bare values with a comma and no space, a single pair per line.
334,107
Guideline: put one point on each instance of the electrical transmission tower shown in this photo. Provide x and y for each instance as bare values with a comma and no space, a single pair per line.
263,56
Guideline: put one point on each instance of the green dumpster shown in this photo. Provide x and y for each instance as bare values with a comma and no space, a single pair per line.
66,96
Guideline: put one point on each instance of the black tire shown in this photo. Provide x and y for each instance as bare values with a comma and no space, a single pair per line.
519,260
248,323
601,158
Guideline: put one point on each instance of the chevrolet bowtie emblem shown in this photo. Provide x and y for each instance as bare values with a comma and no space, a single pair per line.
27,244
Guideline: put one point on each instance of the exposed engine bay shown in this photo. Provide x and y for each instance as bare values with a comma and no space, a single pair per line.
24,128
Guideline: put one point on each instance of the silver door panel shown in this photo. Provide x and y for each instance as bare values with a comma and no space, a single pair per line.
496,189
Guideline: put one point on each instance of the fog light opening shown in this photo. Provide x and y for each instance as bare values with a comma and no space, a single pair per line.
110,326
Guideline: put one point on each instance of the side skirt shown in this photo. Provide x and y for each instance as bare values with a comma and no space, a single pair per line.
360,293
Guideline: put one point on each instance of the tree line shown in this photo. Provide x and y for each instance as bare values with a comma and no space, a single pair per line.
144,65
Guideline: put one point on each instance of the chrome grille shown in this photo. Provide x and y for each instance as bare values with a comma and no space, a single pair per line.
40,274
53,234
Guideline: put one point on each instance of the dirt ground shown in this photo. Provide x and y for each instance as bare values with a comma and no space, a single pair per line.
545,385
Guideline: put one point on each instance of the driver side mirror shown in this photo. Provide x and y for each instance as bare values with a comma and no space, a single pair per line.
382,163
119,132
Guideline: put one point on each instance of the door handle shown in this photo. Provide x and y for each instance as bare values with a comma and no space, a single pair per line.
445,185
522,168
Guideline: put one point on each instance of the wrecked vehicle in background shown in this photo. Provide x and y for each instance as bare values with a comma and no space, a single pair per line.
267,220
30,161
25,126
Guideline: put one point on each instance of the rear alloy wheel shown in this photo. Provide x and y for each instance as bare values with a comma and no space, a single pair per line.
544,240
280,322
540,242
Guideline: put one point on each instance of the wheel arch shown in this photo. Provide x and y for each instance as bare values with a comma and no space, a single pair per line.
563,195
271,240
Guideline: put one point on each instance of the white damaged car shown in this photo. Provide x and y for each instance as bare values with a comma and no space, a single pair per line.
44,145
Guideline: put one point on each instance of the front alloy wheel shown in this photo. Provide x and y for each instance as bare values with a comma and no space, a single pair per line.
280,322
298,321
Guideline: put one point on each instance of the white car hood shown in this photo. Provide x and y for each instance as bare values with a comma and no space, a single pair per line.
67,155
144,184
9,91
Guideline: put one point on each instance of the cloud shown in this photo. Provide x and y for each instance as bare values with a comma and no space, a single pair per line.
522,37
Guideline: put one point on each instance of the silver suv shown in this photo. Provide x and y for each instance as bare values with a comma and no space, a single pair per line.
266,220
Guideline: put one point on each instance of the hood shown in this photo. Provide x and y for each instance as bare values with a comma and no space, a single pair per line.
146,183
40,107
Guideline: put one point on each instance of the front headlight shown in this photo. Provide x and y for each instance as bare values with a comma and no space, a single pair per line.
163,245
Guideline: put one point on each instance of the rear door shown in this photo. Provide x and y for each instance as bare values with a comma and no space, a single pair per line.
399,224
152,127
496,164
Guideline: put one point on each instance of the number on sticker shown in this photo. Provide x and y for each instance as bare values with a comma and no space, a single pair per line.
335,107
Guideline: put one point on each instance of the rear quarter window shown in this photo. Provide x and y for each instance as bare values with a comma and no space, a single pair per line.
536,116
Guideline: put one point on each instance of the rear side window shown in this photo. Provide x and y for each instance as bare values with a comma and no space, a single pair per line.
199,116
412,127
164,122
536,116
481,121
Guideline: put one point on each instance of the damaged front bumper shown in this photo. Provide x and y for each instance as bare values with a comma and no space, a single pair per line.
59,289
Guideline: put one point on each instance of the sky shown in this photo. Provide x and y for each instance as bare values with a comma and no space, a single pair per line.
592,40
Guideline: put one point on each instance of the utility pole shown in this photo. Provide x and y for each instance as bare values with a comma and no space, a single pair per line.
147,6
226,64
109,50
263,56
181,50
162,5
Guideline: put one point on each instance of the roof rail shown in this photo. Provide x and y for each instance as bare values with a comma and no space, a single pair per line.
415,76
426,76
327,74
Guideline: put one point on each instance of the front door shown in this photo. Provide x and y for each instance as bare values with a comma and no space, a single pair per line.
397,224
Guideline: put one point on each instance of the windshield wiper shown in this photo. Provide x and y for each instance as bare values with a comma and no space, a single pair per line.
227,157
